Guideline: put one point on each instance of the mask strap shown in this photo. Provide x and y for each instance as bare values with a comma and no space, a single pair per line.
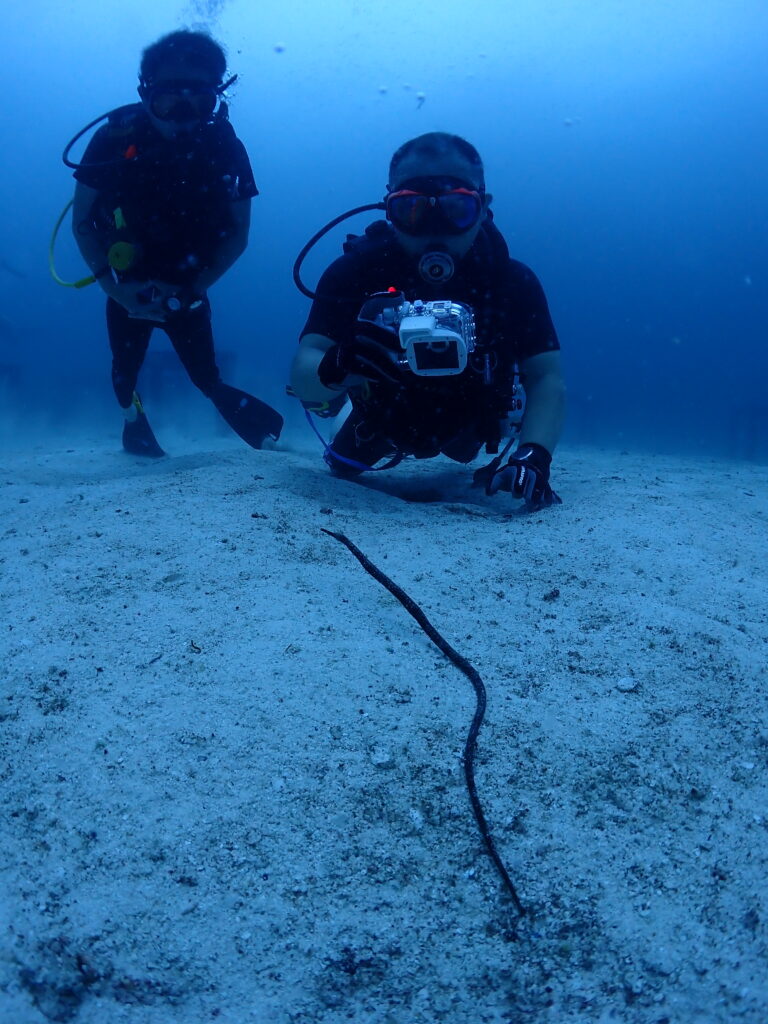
223,88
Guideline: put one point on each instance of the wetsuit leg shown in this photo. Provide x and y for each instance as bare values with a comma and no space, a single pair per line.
192,338
354,441
128,340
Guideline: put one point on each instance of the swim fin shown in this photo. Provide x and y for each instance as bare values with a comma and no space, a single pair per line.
249,417
138,438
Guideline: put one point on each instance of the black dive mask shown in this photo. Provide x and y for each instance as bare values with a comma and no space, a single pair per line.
182,101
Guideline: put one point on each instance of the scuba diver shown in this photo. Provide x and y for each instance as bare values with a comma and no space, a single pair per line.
426,324
161,211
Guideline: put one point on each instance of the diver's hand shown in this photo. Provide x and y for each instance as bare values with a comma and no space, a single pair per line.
133,297
367,357
153,300
151,304
142,300
526,476
174,298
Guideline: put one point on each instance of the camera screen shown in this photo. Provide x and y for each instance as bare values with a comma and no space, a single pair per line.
444,357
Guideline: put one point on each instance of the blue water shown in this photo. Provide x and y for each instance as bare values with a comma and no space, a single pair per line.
625,145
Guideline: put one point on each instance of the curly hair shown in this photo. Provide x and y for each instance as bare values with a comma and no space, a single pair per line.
184,47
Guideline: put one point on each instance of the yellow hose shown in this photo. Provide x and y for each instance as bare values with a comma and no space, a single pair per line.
83,281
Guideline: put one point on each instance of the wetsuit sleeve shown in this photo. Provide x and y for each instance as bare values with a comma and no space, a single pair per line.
529,321
339,296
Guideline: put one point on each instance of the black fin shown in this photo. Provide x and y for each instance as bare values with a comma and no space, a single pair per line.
138,438
249,417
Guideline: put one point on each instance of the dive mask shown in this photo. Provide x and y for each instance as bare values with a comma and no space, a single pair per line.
434,206
181,100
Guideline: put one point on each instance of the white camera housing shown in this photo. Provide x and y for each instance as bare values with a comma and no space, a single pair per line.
436,337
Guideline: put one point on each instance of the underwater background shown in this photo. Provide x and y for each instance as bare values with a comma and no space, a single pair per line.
625,144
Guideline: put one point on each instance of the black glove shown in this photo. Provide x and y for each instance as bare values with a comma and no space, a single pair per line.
375,356
526,475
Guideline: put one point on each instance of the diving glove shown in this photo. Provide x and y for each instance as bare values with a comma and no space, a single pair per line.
369,357
526,476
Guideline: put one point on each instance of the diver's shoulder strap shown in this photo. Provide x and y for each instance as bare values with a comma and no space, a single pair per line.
222,114
498,248
377,236
124,120
499,258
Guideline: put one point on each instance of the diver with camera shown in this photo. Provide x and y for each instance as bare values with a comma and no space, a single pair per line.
429,328
161,211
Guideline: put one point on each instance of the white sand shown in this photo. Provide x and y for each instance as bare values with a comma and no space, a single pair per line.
230,761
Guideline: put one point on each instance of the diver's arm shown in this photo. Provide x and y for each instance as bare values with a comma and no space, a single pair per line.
93,249
88,239
542,379
231,249
304,380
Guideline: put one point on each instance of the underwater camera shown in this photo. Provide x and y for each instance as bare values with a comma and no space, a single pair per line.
436,337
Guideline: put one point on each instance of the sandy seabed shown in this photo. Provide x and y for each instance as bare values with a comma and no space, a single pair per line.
231,770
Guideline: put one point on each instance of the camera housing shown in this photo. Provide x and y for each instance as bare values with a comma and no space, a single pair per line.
436,337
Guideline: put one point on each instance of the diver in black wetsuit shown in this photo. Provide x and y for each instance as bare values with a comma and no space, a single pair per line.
161,212
424,324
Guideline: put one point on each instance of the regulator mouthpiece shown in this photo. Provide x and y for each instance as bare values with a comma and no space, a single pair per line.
436,266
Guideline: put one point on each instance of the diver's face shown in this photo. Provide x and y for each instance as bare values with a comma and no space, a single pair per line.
179,99
455,187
